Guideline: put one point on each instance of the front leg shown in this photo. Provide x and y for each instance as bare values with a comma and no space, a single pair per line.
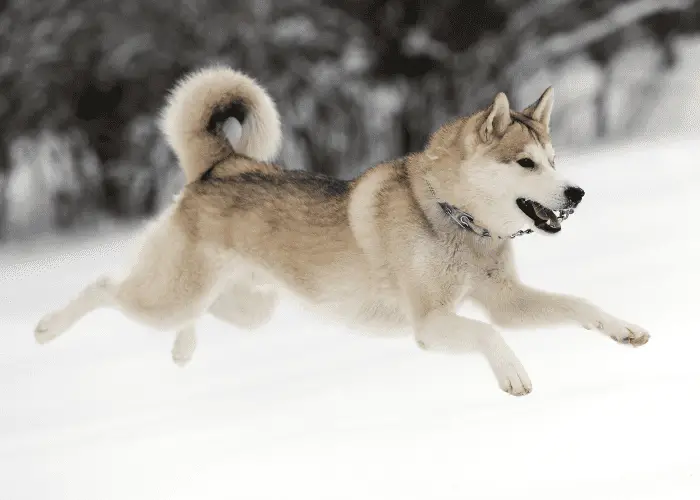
512,304
447,332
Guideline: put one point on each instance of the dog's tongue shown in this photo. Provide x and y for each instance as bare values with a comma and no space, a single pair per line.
546,215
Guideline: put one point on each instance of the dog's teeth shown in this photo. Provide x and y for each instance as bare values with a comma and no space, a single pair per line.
541,211
553,223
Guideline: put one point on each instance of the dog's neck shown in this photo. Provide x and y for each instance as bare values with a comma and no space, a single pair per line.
447,217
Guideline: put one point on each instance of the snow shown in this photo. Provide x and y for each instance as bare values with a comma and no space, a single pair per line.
305,409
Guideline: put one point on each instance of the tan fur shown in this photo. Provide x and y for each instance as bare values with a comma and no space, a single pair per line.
190,106
377,252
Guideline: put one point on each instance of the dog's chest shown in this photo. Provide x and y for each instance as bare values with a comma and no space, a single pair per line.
464,268
488,267
444,273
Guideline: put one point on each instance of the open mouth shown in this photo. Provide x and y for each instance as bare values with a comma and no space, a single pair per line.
545,219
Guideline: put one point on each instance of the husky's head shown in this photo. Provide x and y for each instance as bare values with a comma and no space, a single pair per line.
498,166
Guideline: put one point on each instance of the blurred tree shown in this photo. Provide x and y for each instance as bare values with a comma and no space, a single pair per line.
357,81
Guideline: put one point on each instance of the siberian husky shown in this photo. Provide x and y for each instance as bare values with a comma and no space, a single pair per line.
399,248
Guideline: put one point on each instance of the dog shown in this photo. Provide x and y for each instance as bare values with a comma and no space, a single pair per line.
399,248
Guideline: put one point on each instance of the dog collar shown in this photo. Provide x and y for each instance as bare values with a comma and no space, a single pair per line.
466,222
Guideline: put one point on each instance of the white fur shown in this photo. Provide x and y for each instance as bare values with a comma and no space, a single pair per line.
455,334
490,189
233,130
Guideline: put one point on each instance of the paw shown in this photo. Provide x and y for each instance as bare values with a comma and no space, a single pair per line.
184,347
49,327
181,357
621,331
509,371
513,379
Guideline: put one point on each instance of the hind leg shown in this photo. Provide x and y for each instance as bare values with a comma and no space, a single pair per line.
168,291
94,296
165,312
244,306
105,293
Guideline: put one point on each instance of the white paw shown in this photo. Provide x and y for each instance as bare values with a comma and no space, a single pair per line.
512,378
184,346
182,357
49,327
620,331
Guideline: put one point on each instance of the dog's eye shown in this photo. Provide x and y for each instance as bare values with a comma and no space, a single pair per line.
526,163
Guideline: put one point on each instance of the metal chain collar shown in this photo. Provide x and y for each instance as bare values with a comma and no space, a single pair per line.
466,221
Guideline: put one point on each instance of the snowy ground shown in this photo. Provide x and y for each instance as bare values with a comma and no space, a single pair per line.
306,410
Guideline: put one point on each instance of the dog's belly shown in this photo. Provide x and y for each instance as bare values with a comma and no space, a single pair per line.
351,295
374,312
364,298
355,298
375,316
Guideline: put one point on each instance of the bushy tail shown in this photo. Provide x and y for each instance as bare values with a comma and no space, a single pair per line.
215,111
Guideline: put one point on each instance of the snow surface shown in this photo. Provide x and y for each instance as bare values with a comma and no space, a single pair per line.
303,409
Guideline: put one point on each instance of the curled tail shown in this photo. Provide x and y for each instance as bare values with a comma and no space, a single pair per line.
214,112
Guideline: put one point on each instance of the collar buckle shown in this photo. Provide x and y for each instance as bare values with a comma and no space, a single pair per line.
464,220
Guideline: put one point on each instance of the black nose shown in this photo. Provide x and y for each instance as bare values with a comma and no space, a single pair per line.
574,194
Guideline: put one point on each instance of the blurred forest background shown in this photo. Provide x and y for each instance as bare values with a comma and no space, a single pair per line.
356,81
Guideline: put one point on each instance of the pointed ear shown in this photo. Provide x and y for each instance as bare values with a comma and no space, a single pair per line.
541,110
497,119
